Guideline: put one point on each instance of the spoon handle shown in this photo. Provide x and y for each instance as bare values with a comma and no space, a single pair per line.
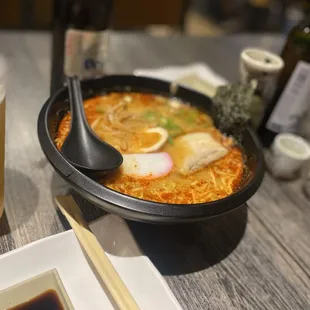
76,102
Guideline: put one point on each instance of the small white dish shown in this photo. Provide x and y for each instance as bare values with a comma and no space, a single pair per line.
34,287
63,252
288,153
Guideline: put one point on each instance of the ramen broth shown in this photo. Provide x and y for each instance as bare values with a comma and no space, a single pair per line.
192,161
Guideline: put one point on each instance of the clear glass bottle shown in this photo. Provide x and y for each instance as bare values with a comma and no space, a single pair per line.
80,39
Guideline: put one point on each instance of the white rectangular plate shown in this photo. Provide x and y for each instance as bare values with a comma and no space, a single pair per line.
63,252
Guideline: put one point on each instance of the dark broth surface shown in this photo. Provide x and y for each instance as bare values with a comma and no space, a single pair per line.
48,300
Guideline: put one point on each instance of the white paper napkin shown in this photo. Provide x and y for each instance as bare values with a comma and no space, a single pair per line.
197,75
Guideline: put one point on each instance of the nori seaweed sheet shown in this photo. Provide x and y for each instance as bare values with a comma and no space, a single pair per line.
231,108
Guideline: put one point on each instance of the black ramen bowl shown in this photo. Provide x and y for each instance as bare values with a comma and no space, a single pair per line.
130,207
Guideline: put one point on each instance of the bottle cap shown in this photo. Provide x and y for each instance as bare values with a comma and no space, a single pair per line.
288,153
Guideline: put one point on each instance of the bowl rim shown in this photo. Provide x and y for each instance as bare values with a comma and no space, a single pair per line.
101,195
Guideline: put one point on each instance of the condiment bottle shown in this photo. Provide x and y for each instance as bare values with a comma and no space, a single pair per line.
80,39
262,67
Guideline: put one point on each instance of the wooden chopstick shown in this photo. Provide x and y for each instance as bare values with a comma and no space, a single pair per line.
104,267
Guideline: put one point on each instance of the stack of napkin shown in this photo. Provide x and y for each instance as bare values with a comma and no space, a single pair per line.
197,76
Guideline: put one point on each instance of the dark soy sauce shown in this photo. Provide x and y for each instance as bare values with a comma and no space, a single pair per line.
48,300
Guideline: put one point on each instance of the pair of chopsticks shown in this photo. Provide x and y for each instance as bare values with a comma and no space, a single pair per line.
100,260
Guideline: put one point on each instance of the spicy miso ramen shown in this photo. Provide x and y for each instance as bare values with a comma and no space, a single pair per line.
172,151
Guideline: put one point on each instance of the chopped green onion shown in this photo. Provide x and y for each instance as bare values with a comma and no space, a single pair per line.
150,115
170,140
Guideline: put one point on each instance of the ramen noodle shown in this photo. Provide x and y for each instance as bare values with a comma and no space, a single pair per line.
172,151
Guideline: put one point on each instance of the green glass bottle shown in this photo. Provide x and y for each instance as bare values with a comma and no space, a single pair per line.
291,99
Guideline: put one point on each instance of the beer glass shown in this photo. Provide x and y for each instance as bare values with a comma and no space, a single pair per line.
3,75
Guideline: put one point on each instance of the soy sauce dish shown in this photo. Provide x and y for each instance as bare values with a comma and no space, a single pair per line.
178,167
43,291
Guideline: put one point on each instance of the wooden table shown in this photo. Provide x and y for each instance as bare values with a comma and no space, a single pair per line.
254,258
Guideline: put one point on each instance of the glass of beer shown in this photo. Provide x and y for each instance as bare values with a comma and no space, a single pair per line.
3,75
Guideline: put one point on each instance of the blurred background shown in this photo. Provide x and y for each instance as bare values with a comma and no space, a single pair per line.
177,17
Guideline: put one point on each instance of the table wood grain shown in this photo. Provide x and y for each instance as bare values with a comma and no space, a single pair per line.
257,257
